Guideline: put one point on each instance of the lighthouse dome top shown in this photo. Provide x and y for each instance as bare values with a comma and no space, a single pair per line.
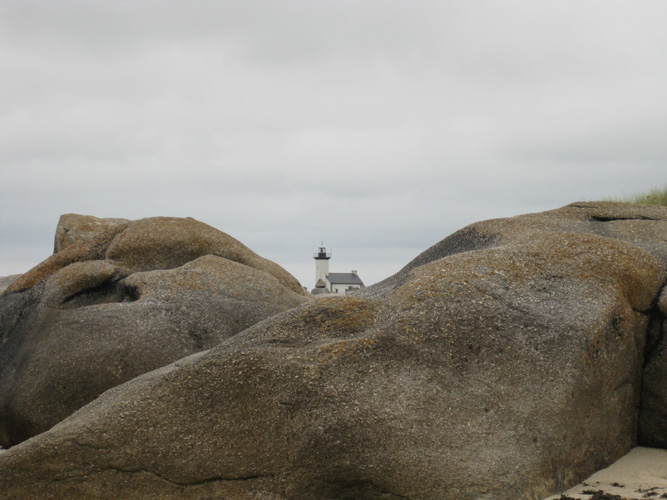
322,254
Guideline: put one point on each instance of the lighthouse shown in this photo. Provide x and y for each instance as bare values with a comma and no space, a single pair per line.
321,264
327,283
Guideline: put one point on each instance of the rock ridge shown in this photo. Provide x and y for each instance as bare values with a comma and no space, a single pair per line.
117,299
509,361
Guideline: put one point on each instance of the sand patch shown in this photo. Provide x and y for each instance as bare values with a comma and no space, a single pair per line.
641,474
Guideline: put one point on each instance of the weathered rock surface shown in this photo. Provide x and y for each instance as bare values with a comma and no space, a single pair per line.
145,245
126,298
5,281
73,229
504,363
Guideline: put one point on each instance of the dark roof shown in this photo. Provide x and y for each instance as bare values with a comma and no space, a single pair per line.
344,279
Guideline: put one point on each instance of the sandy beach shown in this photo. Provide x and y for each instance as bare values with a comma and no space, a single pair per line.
641,474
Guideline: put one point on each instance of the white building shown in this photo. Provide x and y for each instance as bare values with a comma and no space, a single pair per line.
327,283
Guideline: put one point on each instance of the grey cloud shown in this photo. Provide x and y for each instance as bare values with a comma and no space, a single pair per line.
380,126
638,143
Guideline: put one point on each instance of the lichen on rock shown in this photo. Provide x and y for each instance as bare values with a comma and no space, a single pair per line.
508,362
119,298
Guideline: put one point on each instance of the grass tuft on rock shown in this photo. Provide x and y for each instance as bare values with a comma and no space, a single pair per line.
655,196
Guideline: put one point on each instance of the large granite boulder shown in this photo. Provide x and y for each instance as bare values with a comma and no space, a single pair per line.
504,363
120,299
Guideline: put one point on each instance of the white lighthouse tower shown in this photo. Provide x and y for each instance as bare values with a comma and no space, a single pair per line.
321,264
327,283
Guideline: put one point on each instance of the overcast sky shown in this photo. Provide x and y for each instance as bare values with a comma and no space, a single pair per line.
379,127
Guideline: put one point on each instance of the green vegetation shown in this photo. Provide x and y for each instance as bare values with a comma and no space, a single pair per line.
653,197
